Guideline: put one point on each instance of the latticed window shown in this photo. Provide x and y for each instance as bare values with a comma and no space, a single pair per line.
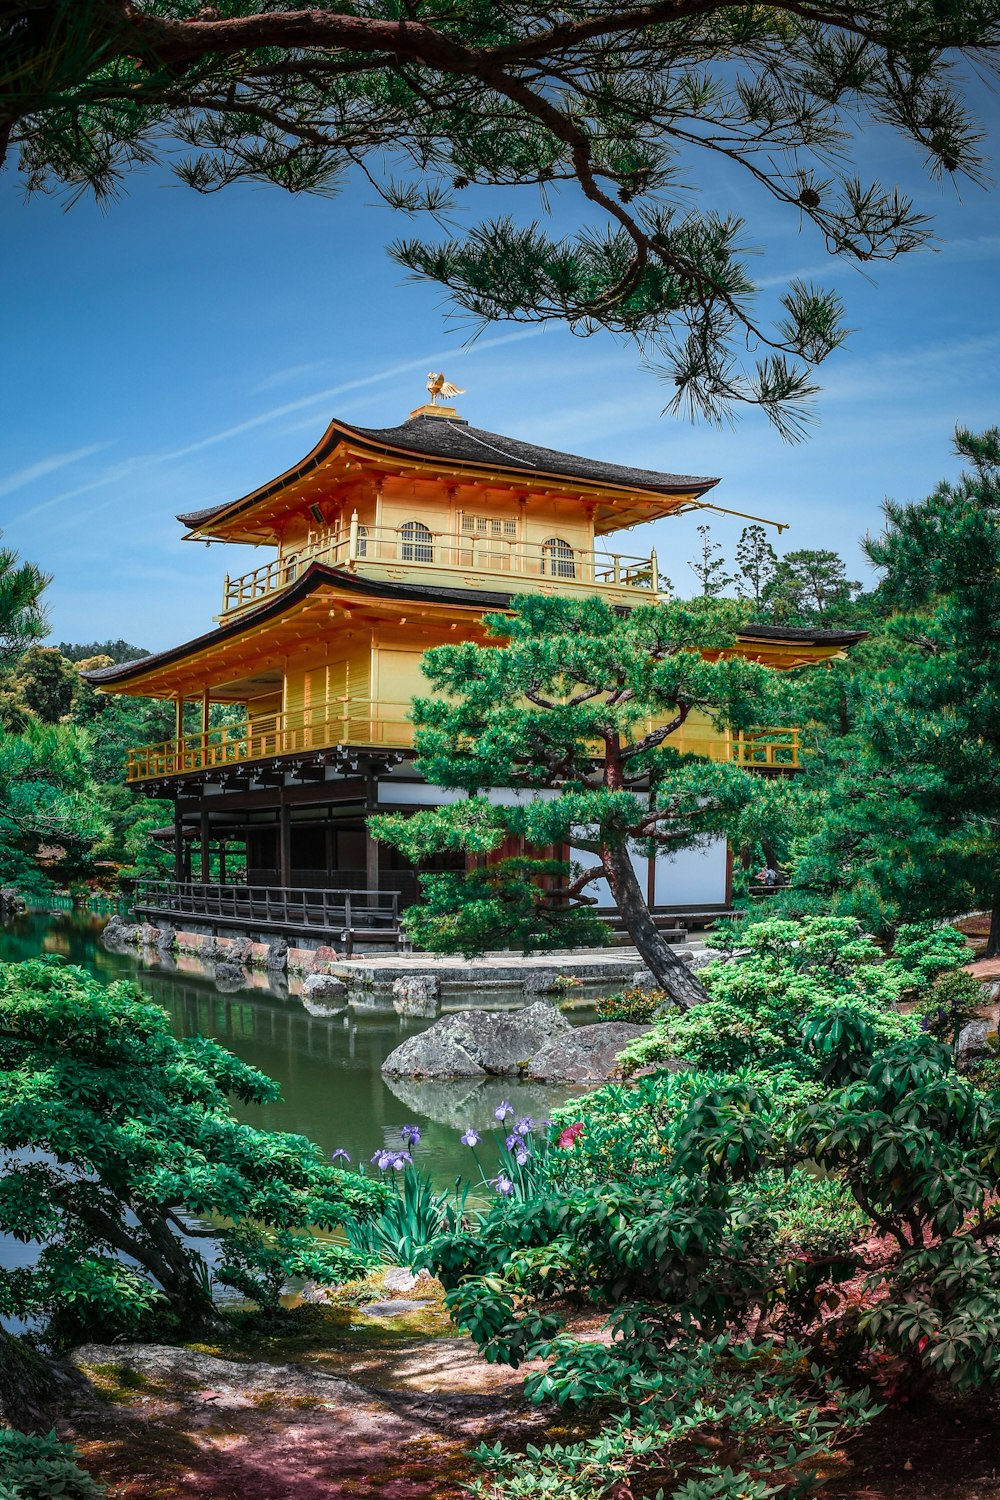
362,541
418,544
557,558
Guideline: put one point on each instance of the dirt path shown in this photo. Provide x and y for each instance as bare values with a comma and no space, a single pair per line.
376,1407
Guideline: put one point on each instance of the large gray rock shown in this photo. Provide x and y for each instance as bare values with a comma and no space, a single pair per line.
588,1054
972,1043
476,1042
167,940
117,932
540,982
324,987
323,994
416,995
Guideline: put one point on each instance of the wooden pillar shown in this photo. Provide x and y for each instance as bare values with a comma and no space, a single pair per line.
179,717
371,861
178,843
222,861
206,835
284,844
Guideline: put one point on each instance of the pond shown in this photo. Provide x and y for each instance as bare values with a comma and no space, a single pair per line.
332,1089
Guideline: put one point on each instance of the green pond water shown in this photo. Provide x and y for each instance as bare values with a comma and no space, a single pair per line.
332,1089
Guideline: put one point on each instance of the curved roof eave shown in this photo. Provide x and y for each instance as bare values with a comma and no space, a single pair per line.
318,575
441,439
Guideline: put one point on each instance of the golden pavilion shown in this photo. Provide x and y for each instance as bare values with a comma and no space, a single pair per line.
384,542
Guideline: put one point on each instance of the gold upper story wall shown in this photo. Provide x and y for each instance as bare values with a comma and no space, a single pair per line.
392,515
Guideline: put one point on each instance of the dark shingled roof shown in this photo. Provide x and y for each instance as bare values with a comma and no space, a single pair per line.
318,574
456,442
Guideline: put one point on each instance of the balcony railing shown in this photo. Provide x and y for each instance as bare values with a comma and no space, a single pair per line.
550,564
338,721
360,721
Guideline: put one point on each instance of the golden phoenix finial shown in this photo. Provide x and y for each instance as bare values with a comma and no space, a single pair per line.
438,386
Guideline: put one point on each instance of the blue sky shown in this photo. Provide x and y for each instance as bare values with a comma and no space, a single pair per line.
174,351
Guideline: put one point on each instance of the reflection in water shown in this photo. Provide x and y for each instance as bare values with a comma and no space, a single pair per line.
328,1067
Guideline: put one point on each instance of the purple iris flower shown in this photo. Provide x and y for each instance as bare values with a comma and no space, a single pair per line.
502,1110
524,1126
340,1155
521,1157
410,1134
470,1138
503,1184
512,1142
383,1159
400,1160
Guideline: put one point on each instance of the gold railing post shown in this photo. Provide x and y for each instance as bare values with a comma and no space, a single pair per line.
352,543
654,573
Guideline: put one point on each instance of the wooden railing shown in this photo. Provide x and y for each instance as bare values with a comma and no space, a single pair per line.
767,749
566,567
342,915
360,721
338,721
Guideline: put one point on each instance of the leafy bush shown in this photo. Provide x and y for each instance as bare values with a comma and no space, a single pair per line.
119,1142
849,1217
783,972
925,951
951,1000
40,1468
635,1005
775,1417
628,1133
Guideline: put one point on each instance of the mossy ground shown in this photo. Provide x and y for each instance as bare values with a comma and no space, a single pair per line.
425,1398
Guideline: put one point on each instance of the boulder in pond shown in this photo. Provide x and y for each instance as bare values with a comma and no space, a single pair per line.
277,956
416,995
586,1054
472,1043
540,982
323,994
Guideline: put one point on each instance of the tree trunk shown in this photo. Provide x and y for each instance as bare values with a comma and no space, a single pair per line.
30,1386
670,972
993,941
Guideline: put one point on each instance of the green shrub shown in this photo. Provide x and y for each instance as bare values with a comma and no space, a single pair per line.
40,1468
635,1005
779,973
953,999
117,1135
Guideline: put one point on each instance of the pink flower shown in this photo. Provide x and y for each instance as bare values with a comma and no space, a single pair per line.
570,1135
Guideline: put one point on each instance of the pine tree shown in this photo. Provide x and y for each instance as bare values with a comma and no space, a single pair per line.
809,586
756,562
22,618
912,825
709,565
577,701
607,98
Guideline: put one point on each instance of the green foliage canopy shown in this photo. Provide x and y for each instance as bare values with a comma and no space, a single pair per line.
118,1144
912,822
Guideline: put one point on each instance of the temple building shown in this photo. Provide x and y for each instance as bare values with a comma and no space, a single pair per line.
385,542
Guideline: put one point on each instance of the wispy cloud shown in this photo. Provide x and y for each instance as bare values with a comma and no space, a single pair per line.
43,466
273,414
282,377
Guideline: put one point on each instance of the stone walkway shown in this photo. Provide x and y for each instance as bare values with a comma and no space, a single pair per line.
589,966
